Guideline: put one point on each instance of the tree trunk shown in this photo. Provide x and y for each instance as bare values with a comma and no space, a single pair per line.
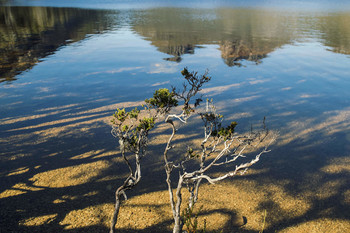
177,216
115,214
178,225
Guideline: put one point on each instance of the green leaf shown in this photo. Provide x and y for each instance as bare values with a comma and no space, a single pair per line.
120,114
146,124
162,99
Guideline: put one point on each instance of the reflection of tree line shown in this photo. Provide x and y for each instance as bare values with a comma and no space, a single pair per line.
28,34
241,34
234,51
336,32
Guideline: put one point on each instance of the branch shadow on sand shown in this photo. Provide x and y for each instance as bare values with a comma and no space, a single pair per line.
64,181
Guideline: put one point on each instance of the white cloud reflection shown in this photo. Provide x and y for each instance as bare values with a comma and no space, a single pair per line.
306,96
115,71
159,84
167,68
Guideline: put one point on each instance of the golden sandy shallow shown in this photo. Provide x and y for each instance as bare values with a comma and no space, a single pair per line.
69,187
222,206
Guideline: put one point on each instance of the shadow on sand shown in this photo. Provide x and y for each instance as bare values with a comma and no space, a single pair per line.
48,176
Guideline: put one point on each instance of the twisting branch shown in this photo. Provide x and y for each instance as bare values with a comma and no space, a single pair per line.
170,166
133,139
190,89
132,132
221,145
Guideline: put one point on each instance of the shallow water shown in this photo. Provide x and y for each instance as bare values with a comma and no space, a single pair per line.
284,64
66,65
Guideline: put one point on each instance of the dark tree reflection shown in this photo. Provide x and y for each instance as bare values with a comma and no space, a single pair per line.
28,34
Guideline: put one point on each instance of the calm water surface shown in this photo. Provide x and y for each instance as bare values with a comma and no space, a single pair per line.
285,63
65,66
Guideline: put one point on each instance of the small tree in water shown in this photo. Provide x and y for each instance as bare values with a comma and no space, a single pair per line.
132,133
221,145
131,129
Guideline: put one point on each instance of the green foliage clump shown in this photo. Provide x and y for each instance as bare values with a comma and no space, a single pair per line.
130,129
134,113
191,77
146,124
162,100
212,118
125,128
120,115
227,132
193,86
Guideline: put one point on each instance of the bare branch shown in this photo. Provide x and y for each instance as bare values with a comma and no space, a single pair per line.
220,146
237,169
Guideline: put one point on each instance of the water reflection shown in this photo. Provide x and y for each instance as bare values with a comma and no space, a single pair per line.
54,119
335,32
29,34
242,34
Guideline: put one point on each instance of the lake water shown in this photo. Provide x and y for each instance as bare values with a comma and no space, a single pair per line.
79,60
287,63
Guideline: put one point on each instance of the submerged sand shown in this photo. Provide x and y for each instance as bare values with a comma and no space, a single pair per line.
60,176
